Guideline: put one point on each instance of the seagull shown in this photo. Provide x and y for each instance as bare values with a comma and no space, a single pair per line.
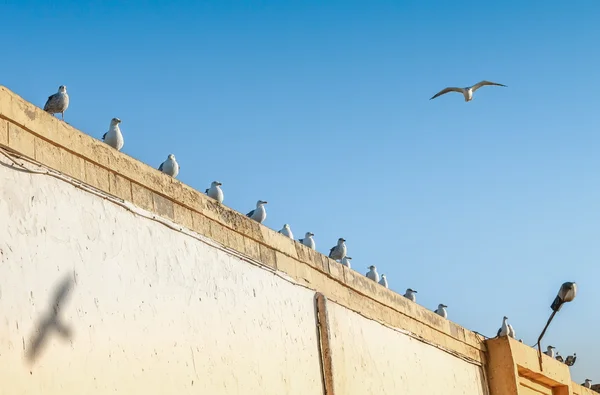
372,274
511,331
346,261
58,102
383,281
468,91
505,328
550,352
114,137
410,294
259,214
570,361
308,240
587,384
215,191
441,310
170,166
339,251
286,231
559,358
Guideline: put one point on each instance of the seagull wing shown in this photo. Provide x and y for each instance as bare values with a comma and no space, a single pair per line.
50,99
444,91
250,213
104,135
161,166
206,191
331,251
301,240
484,83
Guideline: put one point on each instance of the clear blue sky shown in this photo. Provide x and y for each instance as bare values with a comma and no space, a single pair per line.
322,108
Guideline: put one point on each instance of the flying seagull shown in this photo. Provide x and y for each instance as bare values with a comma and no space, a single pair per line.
58,102
550,351
286,231
215,191
411,294
114,137
383,281
468,91
308,240
339,251
441,310
259,214
346,261
372,274
170,166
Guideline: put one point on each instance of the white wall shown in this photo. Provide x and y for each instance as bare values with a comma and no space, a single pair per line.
370,358
151,310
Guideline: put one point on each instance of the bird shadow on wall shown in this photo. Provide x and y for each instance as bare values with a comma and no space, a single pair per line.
50,322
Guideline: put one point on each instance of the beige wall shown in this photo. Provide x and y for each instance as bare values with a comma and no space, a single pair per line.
151,310
370,358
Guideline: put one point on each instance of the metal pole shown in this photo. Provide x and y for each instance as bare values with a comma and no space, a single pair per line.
542,335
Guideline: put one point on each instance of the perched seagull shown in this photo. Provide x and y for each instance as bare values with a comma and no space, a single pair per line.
559,358
504,329
587,384
511,331
339,251
170,166
58,102
410,294
114,137
346,261
383,281
215,191
286,231
372,274
259,214
308,240
468,91
570,361
441,310
550,352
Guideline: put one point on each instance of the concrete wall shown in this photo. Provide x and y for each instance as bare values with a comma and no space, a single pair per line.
147,309
370,358
161,289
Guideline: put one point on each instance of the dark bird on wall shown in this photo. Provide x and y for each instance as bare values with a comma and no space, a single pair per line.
58,102
339,251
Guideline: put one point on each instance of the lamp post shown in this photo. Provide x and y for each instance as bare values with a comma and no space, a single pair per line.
567,293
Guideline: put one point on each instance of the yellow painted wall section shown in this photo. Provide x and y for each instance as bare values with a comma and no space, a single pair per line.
370,358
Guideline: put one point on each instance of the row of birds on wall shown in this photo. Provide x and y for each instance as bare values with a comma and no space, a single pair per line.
59,102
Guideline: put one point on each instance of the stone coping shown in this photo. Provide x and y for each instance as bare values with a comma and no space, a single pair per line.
33,133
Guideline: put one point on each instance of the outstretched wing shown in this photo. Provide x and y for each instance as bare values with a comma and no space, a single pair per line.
444,91
484,83
249,214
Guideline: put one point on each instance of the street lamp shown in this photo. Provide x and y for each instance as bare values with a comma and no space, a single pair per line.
567,293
